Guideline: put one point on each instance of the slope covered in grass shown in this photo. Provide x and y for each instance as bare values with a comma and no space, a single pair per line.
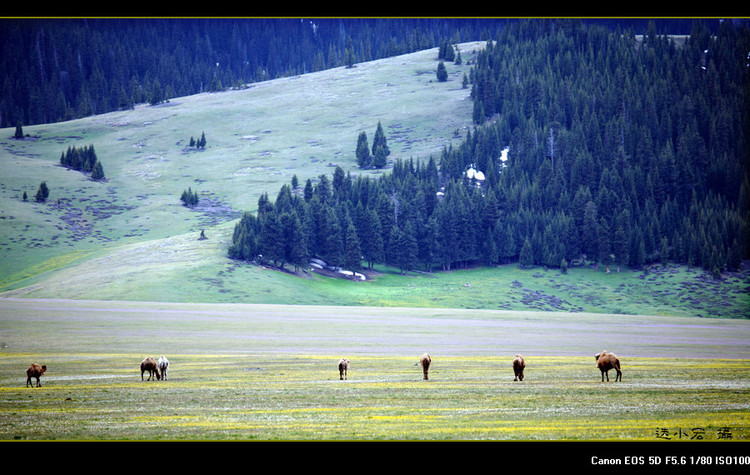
257,139
130,238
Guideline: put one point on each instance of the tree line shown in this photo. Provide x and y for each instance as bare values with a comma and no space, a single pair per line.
59,69
622,150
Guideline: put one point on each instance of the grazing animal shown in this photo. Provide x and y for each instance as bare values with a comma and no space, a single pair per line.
163,365
35,371
425,362
149,364
607,361
518,366
343,368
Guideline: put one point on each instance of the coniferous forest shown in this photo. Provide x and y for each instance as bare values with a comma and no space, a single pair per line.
598,147
626,145
59,69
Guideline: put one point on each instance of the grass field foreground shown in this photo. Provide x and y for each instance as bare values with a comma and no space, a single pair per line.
266,372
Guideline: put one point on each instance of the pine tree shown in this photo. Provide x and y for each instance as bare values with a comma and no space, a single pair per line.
372,238
271,240
332,246
380,141
352,251
189,198
526,258
442,73
379,158
408,246
97,173
308,191
323,189
590,235
298,255
42,193
293,237
364,160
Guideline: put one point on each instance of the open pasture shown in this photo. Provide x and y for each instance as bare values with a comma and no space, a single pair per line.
266,372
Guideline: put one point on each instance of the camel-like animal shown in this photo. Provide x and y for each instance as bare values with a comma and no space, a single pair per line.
163,365
35,371
343,368
607,361
425,362
149,364
518,366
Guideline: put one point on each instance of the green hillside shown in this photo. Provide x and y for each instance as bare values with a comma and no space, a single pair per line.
130,237
257,139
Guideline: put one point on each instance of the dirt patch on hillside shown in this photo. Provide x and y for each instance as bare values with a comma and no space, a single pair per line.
212,211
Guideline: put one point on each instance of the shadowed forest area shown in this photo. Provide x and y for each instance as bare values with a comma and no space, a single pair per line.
594,148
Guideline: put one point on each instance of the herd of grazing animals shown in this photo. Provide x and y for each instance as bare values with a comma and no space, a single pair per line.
605,361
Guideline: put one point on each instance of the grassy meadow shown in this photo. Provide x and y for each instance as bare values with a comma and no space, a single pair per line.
266,372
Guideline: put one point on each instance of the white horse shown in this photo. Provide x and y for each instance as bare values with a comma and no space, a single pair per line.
163,364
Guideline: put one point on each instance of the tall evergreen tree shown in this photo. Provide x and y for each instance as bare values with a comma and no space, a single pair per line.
352,252
371,238
526,258
271,240
442,73
379,158
97,172
42,193
364,160
380,140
